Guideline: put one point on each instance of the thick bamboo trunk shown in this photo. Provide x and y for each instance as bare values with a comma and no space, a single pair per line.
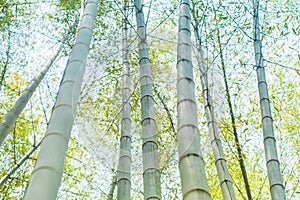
124,168
13,114
151,173
191,165
273,165
220,161
46,176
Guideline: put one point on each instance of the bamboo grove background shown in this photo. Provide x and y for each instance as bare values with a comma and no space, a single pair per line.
228,52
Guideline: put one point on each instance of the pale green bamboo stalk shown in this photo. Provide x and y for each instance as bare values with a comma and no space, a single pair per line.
191,165
13,114
124,168
151,173
46,176
112,188
273,165
220,161
233,123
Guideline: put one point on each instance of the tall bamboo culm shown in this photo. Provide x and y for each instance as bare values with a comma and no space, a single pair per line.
191,165
113,184
151,173
233,122
13,114
124,168
220,161
273,165
46,176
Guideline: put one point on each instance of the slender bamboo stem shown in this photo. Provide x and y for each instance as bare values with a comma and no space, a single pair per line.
151,174
124,168
112,188
233,123
18,164
7,57
273,165
220,161
13,114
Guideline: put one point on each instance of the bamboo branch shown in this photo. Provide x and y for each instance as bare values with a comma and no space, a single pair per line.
233,123
18,164
220,161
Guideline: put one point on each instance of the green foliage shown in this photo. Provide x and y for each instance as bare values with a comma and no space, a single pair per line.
69,5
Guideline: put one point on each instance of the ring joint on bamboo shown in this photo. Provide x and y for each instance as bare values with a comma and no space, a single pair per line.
13,111
150,141
186,99
186,3
260,82
125,88
126,118
23,101
264,98
185,78
183,59
146,76
276,184
148,118
47,168
211,121
184,43
190,155
267,116
152,170
58,134
144,58
88,14
259,67
141,26
71,81
185,15
81,43
184,29
273,160
147,95
225,180
187,125
139,10
6,126
125,136
220,159
153,197
75,60
124,179
126,74
195,189
85,27
62,105
126,156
